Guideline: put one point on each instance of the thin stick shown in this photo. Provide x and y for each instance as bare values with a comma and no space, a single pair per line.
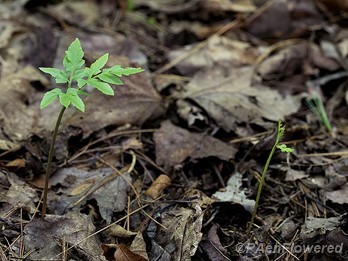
50,155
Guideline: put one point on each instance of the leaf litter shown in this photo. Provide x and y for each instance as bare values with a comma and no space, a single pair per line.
168,168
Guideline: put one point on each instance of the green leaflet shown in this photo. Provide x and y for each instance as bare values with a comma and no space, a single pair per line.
120,71
73,57
101,86
49,97
109,78
60,76
98,64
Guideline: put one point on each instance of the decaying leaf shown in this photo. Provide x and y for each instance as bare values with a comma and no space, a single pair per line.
110,193
18,107
44,236
175,144
235,193
119,231
20,194
218,51
183,232
120,252
230,98
227,5
76,12
339,196
212,245
156,188
318,226
134,103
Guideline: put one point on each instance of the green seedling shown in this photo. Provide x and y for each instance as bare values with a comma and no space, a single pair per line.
316,105
282,148
76,76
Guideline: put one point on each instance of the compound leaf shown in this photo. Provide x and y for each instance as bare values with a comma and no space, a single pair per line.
49,97
101,86
99,64
109,78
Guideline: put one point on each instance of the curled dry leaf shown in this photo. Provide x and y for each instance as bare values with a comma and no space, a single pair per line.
157,187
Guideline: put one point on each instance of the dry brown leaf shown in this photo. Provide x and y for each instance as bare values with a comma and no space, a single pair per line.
82,13
339,196
17,163
218,51
123,253
285,19
170,6
44,236
229,97
157,187
134,103
174,145
337,5
228,5
183,231
118,231
18,105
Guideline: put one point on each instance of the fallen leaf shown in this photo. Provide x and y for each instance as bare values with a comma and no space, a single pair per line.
122,253
285,19
212,245
227,5
138,246
318,226
292,175
170,6
219,50
183,233
235,193
230,98
118,231
156,188
43,236
18,105
110,196
339,196
175,144
20,194
81,13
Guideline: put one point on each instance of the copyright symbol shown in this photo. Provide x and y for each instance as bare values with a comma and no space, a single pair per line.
240,248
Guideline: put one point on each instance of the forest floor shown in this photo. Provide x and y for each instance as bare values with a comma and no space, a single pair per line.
168,168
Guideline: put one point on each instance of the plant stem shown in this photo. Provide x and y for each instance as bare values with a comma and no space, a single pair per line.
262,181
50,155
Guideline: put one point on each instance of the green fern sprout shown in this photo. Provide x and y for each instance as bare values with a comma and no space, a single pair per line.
282,148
